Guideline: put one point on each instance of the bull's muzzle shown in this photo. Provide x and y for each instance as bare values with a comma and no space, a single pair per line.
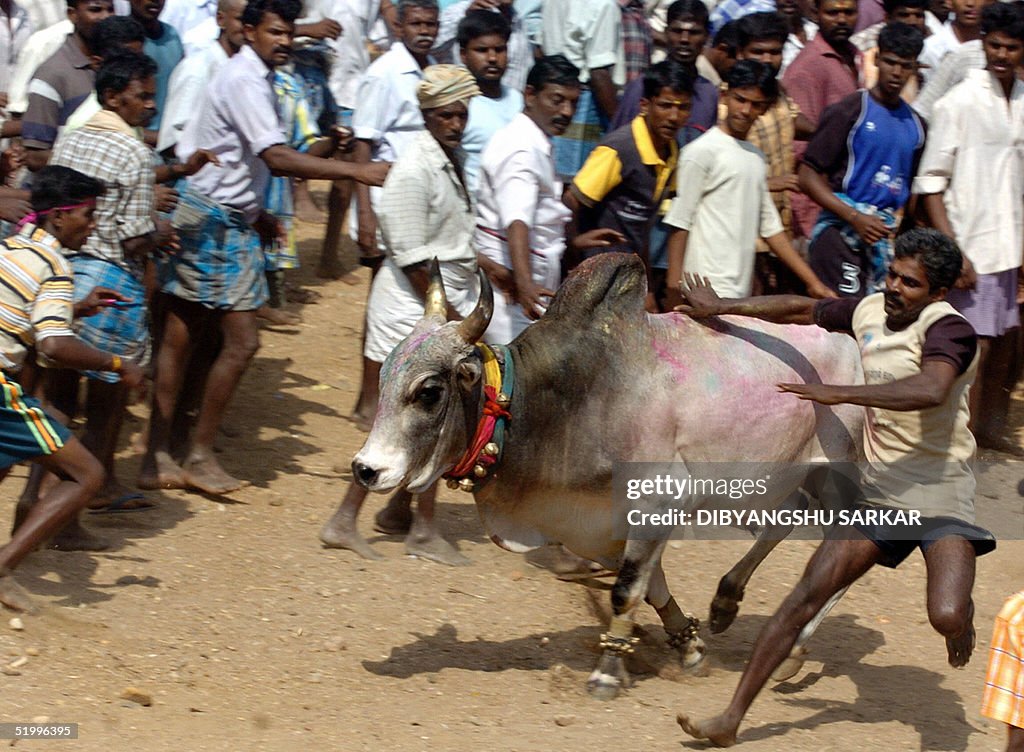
365,475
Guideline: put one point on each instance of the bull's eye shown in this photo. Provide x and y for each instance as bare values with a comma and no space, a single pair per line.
428,396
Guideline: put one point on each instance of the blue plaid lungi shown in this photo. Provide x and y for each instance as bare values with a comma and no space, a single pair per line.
221,263
878,256
122,329
581,137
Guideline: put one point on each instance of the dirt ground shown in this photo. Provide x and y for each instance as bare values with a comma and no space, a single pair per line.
246,634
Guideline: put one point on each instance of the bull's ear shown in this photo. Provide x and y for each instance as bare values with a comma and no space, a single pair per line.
468,373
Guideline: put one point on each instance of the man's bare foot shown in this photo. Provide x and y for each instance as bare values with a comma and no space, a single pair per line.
160,471
1000,444
204,473
296,294
340,532
427,543
717,730
14,596
74,537
396,517
330,267
959,649
278,316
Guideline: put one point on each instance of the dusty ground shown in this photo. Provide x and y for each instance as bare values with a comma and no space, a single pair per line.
247,635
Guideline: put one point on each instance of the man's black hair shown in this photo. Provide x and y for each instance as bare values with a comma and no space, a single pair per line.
937,253
110,35
56,186
751,73
758,26
1006,18
286,10
695,9
482,23
553,69
902,40
892,5
668,74
117,73
728,36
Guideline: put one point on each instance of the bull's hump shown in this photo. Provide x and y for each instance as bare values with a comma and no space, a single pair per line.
610,283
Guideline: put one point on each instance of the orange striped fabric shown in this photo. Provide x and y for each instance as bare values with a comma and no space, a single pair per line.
1003,699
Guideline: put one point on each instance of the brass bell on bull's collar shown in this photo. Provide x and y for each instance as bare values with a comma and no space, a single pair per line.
452,484
503,400
491,449
466,484
480,471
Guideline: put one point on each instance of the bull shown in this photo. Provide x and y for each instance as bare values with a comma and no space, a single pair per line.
598,380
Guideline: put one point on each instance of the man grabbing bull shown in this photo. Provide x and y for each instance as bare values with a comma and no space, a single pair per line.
919,357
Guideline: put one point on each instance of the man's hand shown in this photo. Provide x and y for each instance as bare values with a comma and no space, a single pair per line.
98,299
270,229
166,237
12,160
530,298
325,28
824,394
131,375
344,139
13,209
820,290
366,236
870,228
373,173
501,277
3,100
699,299
968,277
484,5
784,183
199,159
166,198
600,237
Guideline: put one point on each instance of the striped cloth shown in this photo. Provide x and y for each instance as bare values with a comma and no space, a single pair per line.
637,38
1003,698
302,132
122,329
878,255
580,138
35,294
220,264
26,432
991,306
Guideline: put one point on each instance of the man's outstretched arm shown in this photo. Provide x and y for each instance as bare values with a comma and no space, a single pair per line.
701,301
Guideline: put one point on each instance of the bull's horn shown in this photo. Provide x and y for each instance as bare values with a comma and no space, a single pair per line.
437,303
473,326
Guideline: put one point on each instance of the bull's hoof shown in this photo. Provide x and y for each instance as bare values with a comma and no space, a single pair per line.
791,666
609,678
723,613
692,657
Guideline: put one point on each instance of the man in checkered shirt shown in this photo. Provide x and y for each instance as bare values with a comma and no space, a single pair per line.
1003,699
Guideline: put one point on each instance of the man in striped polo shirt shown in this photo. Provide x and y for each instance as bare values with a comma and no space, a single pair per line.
36,311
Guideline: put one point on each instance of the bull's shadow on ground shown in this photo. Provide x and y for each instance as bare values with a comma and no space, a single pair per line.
910,695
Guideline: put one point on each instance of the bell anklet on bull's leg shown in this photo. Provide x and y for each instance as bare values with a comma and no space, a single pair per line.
683,634
610,677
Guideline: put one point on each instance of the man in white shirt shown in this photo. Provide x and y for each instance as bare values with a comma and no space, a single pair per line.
386,121
184,15
187,87
520,228
722,202
520,51
962,26
972,180
217,278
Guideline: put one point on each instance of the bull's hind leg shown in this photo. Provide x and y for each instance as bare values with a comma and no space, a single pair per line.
683,629
638,561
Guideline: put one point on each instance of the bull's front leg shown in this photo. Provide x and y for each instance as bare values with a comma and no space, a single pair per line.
683,630
638,560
